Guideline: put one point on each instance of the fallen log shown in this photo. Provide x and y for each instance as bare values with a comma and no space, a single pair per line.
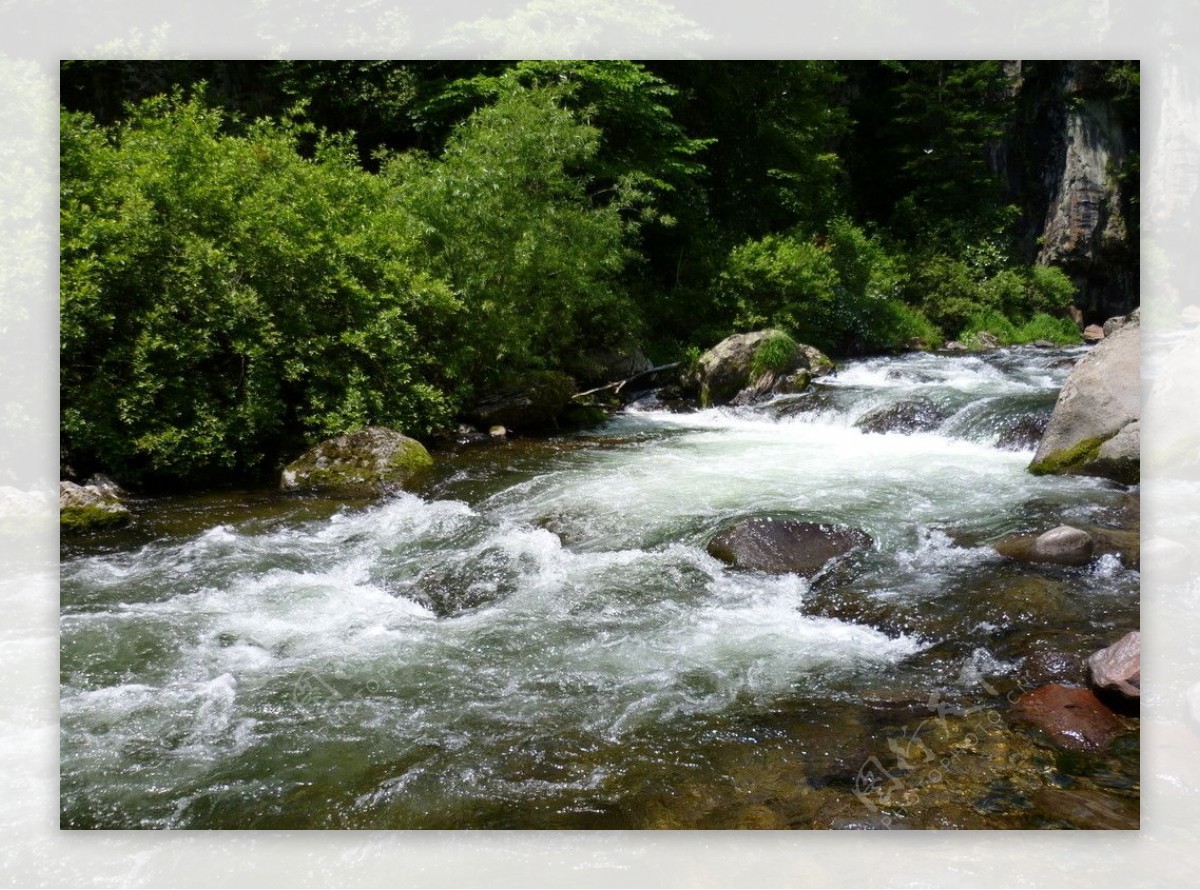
617,385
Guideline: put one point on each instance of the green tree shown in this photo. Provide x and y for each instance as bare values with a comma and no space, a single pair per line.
507,220
226,299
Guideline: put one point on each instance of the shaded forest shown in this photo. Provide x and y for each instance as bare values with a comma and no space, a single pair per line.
257,255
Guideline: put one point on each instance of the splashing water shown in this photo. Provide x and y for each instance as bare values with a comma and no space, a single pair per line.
540,638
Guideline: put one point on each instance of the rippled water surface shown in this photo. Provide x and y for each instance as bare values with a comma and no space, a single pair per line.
539,639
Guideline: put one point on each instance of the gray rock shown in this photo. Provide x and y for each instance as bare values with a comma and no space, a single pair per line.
1119,667
785,545
1113,324
373,460
1120,457
1064,545
1024,432
1099,399
724,372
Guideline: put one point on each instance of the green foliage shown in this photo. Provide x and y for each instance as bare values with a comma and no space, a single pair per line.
639,141
951,293
773,354
1055,329
900,326
783,281
1040,327
225,299
506,220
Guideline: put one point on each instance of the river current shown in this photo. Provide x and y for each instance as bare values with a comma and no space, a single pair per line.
537,637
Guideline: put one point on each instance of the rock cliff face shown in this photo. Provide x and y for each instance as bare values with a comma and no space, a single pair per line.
1071,163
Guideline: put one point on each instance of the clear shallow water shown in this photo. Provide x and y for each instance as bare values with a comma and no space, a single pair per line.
539,638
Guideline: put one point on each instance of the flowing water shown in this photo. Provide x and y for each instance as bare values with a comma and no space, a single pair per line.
538,638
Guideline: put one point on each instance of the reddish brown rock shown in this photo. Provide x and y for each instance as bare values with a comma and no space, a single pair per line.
1119,667
1070,716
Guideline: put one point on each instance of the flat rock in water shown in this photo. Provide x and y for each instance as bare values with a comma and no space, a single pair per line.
785,545
1070,716
1119,667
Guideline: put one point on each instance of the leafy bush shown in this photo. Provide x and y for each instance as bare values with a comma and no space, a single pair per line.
784,281
226,299
992,322
773,354
1040,327
506,220
1048,327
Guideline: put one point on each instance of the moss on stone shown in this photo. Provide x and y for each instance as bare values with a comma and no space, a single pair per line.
1068,460
368,460
87,518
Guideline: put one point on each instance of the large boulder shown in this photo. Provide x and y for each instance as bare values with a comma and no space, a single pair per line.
1098,402
727,371
98,503
785,545
370,461
527,402
907,416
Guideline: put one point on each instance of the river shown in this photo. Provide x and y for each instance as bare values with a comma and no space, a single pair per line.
537,637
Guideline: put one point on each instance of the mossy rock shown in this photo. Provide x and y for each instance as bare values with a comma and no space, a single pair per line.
93,517
374,460
93,506
1068,460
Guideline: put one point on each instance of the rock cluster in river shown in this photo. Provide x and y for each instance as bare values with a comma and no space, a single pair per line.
725,373
1094,429
366,461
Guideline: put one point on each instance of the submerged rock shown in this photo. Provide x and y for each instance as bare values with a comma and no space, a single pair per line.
907,416
785,545
1086,809
1099,401
370,460
1070,716
1024,432
1119,667
99,503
